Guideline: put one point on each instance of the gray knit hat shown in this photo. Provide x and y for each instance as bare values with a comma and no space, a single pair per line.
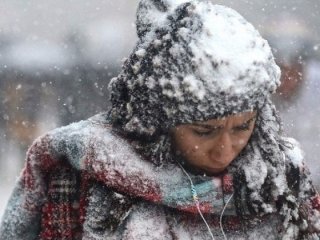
194,61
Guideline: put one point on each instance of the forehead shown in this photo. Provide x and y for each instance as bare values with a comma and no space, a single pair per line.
235,118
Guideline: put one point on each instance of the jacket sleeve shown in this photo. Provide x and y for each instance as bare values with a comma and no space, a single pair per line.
65,145
21,219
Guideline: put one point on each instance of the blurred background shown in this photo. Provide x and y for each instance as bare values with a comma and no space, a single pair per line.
57,57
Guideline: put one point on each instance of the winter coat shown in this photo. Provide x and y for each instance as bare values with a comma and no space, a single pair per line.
85,181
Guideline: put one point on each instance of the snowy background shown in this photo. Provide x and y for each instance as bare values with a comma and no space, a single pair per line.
57,56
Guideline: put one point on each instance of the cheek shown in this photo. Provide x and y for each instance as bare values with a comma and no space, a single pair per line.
187,146
241,140
194,155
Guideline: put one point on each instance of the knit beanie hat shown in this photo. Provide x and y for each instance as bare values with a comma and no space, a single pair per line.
194,61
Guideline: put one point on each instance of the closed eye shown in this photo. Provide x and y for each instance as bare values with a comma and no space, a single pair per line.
245,126
202,132
206,131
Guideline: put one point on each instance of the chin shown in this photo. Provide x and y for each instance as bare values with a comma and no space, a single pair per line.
215,171
209,171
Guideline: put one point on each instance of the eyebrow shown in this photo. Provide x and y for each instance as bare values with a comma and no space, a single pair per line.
210,127
207,126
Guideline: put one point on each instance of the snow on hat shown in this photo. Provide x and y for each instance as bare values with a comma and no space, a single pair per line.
194,61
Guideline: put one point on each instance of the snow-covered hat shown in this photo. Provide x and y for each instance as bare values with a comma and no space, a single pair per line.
194,61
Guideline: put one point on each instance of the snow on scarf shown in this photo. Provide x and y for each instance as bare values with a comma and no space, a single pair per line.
97,153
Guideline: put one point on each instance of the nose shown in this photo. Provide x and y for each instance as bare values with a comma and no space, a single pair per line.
221,151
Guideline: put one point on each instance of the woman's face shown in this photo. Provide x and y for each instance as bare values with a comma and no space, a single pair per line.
209,147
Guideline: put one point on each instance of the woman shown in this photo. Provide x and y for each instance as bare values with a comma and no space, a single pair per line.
190,149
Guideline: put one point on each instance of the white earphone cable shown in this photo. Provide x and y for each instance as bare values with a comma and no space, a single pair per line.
196,200
221,215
